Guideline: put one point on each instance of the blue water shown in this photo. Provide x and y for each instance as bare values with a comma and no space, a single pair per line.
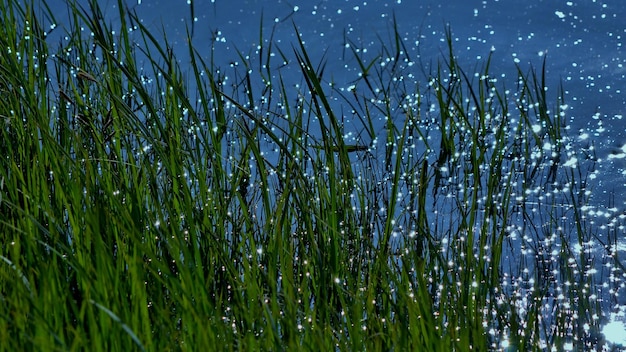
581,42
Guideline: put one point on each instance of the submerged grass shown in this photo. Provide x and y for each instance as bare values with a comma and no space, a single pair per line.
155,208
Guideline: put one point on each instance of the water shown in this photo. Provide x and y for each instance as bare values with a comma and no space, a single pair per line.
582,41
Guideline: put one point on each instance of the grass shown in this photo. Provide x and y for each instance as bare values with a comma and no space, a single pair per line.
146,206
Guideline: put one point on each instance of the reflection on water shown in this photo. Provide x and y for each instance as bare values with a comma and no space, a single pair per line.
615,330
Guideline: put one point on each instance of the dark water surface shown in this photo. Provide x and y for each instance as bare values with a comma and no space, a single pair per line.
582,41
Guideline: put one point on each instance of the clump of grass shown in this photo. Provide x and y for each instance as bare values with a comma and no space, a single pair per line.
160,208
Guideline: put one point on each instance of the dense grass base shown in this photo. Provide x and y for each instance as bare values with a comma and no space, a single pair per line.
156,208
